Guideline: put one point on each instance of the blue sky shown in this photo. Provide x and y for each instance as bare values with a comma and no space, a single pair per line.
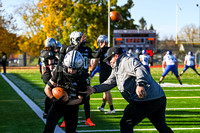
160,13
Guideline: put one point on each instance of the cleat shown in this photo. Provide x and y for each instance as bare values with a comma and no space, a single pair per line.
159,82
63,124
180,82
180,74
89,122
101,109
44,115
110,112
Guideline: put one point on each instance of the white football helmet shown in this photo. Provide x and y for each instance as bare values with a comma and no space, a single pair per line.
75,37
101,39
73,59
50,42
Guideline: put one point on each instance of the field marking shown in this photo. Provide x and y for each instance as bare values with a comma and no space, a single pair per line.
117,130
96,110
30,103
167,98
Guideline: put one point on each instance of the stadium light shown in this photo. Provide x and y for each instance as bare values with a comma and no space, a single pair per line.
199,20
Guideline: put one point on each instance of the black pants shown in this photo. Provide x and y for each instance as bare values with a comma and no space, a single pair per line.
4,68
154,110
70,114
46,77
87,107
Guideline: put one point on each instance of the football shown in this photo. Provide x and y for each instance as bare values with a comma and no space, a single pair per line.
59,92
115,16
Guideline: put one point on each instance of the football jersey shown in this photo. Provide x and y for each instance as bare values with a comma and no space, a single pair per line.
70,84
145,59
170,59
190,60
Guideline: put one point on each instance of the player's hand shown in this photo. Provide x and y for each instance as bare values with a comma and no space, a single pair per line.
83,38
90,90
102,44
141,92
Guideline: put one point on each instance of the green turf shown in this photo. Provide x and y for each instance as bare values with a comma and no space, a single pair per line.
16,116
178,98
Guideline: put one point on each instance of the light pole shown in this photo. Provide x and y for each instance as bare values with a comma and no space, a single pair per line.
199,21
108,23
177,8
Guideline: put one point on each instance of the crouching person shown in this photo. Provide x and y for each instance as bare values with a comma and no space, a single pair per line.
70,77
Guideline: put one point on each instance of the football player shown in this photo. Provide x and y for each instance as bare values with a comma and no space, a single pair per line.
47,58
144,58
169,60
189,63
71,77
105,70
78,42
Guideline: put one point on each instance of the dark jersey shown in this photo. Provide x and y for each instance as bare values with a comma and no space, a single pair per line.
86,52
70,84
45,56
105,68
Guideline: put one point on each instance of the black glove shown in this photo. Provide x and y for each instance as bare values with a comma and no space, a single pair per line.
58,103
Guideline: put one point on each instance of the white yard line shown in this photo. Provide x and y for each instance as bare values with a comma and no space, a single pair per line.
30,103
117,130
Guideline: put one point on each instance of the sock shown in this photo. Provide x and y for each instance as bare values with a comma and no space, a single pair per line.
111,107
103,105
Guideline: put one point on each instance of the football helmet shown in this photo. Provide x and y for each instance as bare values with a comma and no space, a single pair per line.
137,50
169,52
144,52
75,37
101,39
50,42
58,44
74,60
190,53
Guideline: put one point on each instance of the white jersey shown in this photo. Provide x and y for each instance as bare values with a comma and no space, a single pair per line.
190,60
145,59
170,59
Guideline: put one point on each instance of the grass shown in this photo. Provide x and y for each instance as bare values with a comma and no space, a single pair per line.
180,112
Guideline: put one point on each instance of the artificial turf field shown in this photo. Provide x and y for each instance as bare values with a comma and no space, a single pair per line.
182,113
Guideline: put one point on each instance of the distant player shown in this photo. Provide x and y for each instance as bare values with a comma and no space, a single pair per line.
169,60
130,53
189,63
137,54
144,58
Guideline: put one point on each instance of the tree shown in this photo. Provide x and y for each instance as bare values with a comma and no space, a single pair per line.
189,33
151,27
143,23
58,18
7,38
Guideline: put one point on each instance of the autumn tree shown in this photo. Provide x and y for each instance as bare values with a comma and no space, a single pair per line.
8,39
58,18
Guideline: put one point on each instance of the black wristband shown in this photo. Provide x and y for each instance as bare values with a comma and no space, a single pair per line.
50,85
141,84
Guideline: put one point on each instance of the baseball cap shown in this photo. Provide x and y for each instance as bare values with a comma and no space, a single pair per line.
112,51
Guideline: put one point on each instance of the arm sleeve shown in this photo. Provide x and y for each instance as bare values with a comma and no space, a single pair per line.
137,70
106,85
97,53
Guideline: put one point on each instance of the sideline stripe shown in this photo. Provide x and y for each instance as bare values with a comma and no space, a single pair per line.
30,103
117,130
